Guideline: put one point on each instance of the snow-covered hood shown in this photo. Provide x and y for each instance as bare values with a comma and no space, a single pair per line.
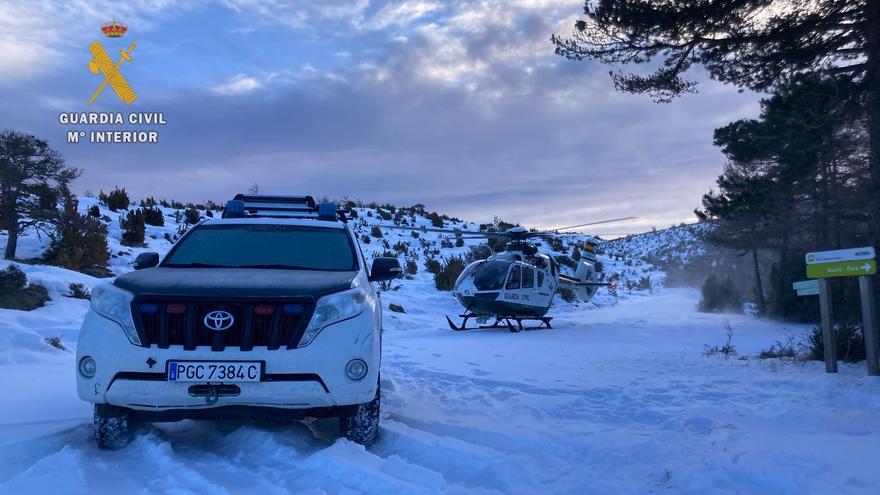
234,282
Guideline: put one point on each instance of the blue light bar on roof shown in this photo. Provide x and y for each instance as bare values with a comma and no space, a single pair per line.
327,211
234,208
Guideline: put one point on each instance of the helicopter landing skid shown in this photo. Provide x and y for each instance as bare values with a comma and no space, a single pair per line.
512,323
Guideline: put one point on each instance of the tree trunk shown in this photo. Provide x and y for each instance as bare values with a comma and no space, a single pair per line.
759,287
12,226
872,102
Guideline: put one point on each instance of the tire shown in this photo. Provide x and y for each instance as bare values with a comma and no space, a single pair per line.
361,423
113,427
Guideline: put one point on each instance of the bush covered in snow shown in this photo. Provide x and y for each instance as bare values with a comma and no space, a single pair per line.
79,242
134,228
153,216
15,293
849,339
117,199
449,271
191,216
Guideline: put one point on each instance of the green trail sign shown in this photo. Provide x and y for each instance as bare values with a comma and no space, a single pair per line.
842,269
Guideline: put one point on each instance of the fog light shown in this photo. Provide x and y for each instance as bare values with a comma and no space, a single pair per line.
87,367
356,369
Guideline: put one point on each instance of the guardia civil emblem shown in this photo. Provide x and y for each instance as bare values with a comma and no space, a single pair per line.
102,64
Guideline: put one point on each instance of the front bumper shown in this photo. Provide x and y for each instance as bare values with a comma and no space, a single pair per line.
307,378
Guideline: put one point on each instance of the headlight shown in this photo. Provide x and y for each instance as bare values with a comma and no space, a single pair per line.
333,309
113,303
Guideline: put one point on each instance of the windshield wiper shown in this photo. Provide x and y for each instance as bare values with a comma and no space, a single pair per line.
275,266
195,265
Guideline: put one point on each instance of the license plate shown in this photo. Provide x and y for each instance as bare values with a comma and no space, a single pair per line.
213,371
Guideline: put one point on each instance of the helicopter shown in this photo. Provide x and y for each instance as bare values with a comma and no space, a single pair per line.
519,283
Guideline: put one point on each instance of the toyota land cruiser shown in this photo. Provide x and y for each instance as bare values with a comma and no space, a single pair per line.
266,312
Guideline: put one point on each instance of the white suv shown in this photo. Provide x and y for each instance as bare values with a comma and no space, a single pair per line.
267,312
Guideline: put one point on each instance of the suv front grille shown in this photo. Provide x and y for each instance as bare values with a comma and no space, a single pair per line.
272,324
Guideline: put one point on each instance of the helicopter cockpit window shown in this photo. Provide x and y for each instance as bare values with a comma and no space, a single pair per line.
468,271
528,278
513,280
491,275
540,278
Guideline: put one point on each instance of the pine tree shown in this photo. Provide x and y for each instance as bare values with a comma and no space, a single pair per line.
755,44
28,168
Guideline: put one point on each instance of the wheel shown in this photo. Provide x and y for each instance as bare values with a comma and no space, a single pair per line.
361,423
113,426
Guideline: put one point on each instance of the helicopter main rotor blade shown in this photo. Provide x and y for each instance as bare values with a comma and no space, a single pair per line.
488,235
557,229
431,229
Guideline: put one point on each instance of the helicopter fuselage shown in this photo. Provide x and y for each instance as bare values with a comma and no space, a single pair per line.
510,283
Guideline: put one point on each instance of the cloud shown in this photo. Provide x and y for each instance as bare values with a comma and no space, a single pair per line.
463,107
403,14
237,85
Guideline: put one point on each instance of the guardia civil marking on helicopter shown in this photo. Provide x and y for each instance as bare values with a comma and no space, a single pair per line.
518,284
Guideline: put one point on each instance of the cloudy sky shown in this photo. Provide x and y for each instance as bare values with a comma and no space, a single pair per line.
460,105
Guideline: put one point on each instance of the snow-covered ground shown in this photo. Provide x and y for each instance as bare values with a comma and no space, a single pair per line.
617,398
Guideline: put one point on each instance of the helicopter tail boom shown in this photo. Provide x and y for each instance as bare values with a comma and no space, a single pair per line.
585,283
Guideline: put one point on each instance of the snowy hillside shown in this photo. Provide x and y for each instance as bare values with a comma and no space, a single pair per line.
617,398
675,245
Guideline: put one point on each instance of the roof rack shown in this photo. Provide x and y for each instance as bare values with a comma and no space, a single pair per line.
254,205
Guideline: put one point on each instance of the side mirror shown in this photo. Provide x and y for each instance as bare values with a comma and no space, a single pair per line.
385,269
146,260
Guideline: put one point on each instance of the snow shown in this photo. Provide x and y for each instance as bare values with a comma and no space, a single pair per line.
617,398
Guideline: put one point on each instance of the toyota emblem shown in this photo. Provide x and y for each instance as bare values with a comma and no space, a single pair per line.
219,320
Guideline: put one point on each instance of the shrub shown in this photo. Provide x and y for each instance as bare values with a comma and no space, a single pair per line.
55,342
849,339
567,294
384,215
477,252
459,242
116,200
365,239
450,269
376,232
79,242
78,291
780,350
556,244
445,243
11,279
436,220
396,308
153,216
401,247
15,293
191,216
566,261
94,211
411,267
432,266
133,228
720,296
645,283
727,349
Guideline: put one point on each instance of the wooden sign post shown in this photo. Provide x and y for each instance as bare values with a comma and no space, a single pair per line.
823,265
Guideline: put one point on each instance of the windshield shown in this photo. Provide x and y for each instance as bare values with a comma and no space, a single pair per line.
491,275
264,246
